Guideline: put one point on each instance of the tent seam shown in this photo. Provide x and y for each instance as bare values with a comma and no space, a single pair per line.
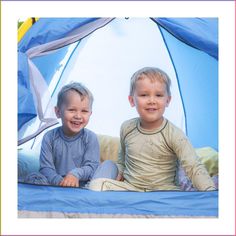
177,78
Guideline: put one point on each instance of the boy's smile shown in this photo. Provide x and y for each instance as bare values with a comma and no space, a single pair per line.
76,124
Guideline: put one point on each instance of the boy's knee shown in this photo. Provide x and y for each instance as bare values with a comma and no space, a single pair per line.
107,169
109,164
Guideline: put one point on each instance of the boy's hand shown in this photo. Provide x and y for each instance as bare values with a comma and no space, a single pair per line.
69,181
120,177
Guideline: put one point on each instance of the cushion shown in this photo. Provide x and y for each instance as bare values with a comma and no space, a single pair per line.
209,157
109,147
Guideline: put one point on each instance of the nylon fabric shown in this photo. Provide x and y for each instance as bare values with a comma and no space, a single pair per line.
76,200
197,74
201,33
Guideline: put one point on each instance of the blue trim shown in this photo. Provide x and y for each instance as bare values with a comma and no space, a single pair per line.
35,198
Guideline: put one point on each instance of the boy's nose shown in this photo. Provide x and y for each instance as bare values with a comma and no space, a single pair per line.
78,115
152,99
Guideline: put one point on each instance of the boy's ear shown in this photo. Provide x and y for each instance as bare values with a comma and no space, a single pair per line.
131,101
168,101
57,112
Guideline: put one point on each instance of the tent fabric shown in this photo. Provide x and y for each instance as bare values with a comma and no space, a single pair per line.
41,199
39,86
200,33
192,44
198,81
50,29
25,27
48,51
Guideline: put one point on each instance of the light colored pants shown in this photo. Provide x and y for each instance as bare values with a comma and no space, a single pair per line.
104,179
106,184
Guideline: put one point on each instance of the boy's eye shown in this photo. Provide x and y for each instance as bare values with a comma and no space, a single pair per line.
85,111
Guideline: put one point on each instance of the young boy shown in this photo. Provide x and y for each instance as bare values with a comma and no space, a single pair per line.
70,154
151,146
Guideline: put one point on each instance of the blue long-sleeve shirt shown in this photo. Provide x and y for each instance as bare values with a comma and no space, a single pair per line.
61,155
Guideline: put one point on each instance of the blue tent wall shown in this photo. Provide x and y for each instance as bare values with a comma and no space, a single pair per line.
197,74
196,69
200,33
26,108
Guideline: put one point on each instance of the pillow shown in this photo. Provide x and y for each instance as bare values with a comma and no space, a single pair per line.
209,157
28,162
109,147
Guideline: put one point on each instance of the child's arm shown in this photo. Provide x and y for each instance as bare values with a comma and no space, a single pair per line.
121,156
47,167
90,159
194,169
121,163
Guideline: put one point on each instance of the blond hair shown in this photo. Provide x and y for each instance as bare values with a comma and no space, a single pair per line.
153,74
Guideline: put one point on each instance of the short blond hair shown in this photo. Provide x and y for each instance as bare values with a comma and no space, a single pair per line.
153,74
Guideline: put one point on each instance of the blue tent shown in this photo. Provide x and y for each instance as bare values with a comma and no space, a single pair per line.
186,48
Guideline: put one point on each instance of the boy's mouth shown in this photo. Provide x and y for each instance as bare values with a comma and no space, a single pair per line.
77,123
151,109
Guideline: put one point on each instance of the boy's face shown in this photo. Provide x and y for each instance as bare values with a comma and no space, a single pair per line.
150,99
74,113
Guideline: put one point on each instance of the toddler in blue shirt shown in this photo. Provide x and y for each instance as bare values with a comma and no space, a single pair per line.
70,154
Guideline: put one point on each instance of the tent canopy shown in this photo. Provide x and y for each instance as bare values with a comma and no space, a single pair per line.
103,53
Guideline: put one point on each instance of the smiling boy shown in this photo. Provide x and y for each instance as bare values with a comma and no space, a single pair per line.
151,146
70,153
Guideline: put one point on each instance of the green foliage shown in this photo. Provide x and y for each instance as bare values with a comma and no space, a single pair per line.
20,23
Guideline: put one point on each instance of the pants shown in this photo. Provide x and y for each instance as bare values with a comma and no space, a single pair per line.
106,184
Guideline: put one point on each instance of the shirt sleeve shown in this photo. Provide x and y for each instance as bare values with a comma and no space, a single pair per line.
121,153
191,164
90,159
47,167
